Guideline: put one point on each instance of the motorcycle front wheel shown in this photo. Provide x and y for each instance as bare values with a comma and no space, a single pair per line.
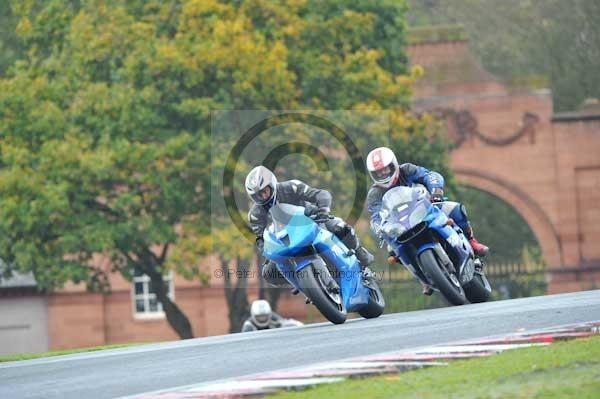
446,282
313,283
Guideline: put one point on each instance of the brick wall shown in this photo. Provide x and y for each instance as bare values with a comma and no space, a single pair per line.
82,319
550,175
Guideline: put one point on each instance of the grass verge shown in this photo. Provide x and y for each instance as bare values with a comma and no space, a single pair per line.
27,356
561,370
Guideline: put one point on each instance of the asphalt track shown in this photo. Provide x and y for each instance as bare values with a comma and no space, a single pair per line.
114,373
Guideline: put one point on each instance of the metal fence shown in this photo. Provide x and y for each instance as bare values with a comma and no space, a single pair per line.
402,291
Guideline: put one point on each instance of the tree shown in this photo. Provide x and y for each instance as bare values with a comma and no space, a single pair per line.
10,48
99,153
107,136
529,42
344,55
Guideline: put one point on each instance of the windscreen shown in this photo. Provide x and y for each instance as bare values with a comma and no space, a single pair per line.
405,206
396,197
281,214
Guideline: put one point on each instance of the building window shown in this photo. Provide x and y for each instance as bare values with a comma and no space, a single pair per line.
145,302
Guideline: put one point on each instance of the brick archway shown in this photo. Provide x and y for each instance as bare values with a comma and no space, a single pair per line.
508,142
525,205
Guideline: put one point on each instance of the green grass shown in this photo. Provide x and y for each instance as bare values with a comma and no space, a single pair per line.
27,356
562,370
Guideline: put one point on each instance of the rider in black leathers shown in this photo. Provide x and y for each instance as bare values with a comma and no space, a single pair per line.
265,191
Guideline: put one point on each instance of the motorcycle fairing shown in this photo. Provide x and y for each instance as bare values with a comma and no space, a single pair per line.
437,221
294,241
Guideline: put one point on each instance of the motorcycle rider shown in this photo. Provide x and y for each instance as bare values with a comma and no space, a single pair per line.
386,173
263,318
264,190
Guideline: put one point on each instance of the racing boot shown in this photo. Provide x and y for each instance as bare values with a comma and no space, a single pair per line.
365,258
427,290
479,249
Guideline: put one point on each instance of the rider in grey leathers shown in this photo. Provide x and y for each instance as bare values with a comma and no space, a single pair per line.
265,191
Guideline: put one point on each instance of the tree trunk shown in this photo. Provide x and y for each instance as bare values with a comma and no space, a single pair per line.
176,318
236,295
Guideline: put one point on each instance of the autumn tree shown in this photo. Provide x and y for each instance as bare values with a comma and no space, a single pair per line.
107,146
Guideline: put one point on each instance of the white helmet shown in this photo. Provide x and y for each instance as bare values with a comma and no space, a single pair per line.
260,313
383,167
261,185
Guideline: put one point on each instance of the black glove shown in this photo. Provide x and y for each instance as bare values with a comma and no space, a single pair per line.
322,215
260,243
310,210
437,195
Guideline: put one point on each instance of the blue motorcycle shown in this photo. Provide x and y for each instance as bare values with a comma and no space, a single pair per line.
431,246
319,265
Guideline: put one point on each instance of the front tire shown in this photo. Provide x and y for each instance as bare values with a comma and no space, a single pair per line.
443,280
312,285
375,306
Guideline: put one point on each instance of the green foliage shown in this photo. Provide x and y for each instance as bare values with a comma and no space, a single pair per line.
105,121
10,48
528,41
500,227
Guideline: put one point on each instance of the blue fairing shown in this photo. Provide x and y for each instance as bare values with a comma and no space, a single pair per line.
437,220
300,232
406,202
298,241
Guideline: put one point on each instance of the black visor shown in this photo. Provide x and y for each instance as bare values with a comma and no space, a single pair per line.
263,196
383,174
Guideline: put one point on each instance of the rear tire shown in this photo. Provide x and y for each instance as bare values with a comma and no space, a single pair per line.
452,291
312,287
375,306
476,290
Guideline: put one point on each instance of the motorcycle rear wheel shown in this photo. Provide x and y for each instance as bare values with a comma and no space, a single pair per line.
313,287
448,286
478,290
375,306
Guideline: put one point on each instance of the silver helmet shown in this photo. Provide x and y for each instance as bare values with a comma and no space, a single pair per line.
260,313
261,185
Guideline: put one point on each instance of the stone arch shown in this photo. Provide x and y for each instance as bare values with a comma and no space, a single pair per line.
525,205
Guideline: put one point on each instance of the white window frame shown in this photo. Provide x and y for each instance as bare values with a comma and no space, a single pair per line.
147,295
